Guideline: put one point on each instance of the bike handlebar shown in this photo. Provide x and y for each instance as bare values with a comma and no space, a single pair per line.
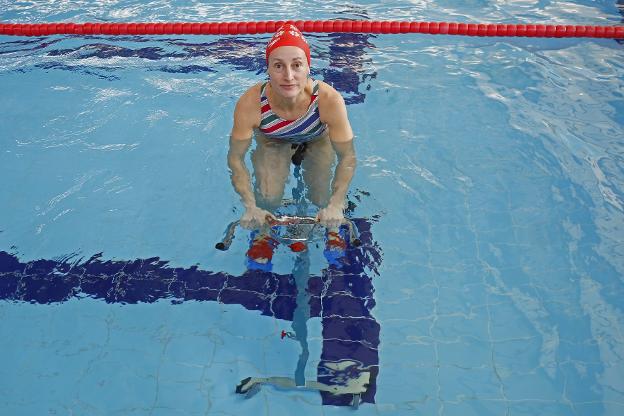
286,220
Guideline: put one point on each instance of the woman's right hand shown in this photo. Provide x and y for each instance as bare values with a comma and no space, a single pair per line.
255,217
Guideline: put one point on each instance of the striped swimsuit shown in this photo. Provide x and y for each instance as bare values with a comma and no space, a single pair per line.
301,130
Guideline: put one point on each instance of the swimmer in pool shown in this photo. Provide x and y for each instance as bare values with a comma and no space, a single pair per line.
293,118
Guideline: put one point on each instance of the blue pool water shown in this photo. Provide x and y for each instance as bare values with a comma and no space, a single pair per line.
489,196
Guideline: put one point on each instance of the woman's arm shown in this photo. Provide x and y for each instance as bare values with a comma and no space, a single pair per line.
246,118
333,112
241,180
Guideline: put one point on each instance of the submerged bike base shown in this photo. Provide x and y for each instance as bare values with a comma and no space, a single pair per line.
356,387
292,230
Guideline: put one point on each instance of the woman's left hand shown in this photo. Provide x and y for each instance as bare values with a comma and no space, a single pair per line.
331,216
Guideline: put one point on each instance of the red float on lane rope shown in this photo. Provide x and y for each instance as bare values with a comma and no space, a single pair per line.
323,26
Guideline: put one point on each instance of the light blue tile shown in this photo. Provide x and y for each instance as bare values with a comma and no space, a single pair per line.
476,407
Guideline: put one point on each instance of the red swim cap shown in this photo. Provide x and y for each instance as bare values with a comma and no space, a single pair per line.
288,35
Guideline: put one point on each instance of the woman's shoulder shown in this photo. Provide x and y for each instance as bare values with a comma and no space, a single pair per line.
247,111
251,97
328,94
333,112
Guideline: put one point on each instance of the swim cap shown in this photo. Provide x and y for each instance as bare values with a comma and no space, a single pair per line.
288,35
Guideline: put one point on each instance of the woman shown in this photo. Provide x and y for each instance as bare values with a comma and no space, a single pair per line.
290,116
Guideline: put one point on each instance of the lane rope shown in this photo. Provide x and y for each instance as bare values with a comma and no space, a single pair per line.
318,26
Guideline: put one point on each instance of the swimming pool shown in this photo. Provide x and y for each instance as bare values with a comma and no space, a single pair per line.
489,198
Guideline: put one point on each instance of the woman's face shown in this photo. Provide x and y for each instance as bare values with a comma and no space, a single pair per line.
288,71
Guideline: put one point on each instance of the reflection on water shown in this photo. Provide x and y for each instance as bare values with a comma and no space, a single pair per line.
105,57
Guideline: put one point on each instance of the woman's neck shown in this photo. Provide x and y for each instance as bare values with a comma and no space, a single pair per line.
288,104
